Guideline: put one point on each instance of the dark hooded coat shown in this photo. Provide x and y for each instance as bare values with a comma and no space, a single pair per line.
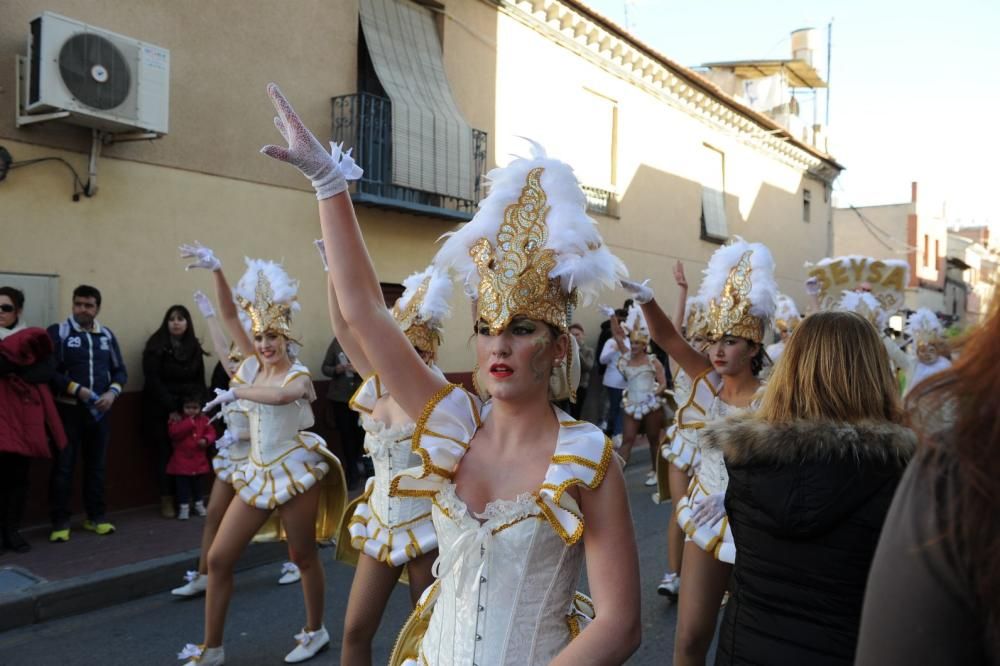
806,502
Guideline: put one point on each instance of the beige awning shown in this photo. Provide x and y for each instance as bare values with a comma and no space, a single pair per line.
431,142
799,72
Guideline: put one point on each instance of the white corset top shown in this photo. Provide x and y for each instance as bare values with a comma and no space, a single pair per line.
390,449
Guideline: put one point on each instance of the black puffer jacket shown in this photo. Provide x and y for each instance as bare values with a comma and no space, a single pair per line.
806,502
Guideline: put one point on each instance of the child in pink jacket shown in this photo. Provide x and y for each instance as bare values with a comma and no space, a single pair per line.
190,436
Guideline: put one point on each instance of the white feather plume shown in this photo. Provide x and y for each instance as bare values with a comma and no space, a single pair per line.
785,308
283,287
435,307
924,323
763,288
635,321
571,232
864,304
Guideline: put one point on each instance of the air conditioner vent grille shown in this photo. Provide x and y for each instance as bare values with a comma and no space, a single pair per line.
94,71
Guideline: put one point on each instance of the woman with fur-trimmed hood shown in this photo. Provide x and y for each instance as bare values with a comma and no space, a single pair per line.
811,477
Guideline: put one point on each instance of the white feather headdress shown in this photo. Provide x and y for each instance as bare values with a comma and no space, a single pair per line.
864,304
424,306
635,325
924,326
739,288
531,249
267,297
786,314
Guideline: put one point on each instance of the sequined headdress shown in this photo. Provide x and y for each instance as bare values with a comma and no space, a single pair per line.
423,307
924,327
739,288
786,314
864,304
531,250
635,327
267,297
695,318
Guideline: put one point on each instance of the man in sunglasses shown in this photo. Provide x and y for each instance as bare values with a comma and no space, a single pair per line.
90,375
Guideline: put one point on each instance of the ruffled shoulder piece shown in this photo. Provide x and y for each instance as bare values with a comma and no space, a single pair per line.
299,370
441,437
246,372
582,456
704,389
364,399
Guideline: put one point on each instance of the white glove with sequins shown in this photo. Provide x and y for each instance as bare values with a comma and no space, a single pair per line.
709,510
222,397
606,310
203,257
204,304
641,293
328,172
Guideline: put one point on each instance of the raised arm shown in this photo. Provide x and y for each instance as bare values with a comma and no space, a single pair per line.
682,294
356,286
205,258
219,341
345,336
664,333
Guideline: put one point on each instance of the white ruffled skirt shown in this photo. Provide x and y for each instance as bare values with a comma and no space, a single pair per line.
715,539
267,487
681,451
394,545
227,460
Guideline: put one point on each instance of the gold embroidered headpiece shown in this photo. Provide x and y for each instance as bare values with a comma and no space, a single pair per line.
422,334
267,297
864,304
924,327
740,291
696,324
786,315
266,315
514,276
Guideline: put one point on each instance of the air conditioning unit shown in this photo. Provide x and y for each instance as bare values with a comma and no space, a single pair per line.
104,80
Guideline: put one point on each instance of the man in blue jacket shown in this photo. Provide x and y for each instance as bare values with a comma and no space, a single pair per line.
90,375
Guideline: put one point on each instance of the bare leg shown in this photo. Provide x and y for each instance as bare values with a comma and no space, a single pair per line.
370,590
238,526
298,515
630,429
675,535
419,572
218,502
705,582
652,424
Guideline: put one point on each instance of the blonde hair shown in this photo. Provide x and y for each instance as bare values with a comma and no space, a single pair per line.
835,368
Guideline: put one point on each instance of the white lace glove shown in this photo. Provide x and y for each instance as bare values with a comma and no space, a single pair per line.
321,248
204,304
203,257
709,510
641,293
221,398
328,172
606,310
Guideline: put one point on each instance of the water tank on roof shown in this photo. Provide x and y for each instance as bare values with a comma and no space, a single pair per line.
804,44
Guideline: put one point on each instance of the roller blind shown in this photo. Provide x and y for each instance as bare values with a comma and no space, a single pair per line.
713,195
431,142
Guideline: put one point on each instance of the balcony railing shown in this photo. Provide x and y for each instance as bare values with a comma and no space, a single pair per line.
364,122
601,202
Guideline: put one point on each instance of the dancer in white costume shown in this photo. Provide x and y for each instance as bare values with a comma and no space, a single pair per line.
642,400
521,491
786,318
930,346
233,447
679,450
739,291
390,532
284,466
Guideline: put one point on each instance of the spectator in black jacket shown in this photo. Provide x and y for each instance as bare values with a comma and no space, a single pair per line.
90,375
811,477
174,366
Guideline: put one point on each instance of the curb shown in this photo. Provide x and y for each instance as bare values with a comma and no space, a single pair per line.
56,599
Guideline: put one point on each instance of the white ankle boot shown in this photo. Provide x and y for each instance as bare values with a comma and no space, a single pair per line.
289,574
199,655
310,642
199,509
196,584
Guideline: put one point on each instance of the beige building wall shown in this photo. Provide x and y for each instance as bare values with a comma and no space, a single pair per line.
206,181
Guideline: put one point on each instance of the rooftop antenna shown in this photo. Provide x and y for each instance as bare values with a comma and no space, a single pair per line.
829,52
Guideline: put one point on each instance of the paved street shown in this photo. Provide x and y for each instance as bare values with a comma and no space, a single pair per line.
264,616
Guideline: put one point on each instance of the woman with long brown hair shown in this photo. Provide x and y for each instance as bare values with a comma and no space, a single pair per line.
934,589
811,477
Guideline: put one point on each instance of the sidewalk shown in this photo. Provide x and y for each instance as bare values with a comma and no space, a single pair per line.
147,554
